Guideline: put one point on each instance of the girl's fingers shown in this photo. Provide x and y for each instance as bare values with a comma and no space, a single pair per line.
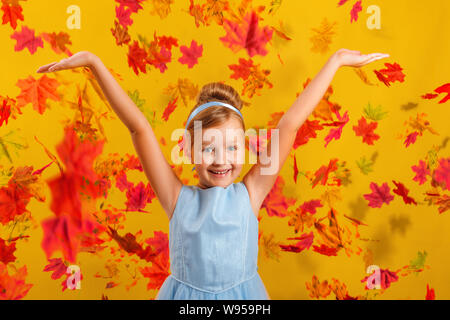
45,68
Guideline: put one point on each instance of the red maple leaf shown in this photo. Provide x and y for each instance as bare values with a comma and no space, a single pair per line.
12,13
58,41
430,293
13,287
310,206
37,92
5,112
137,58
402,191
169,109
160,242
411,138
357,8
306,131
386,278
191,55
365,130
379,195
134,5
305,242
26,39
444,89
157,273
57,266
123,15
327,251
321,175
247,35
139,196
275,202
442,173
13,202
392,73
7,252
421,172
336,133
242,70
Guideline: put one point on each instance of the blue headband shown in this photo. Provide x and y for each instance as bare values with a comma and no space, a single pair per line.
210,104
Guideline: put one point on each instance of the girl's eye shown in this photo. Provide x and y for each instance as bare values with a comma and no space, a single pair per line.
207,149
232,148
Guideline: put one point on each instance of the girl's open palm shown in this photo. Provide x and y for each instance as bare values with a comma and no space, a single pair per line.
79,59
353,58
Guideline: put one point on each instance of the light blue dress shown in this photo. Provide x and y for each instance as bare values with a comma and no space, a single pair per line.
213,242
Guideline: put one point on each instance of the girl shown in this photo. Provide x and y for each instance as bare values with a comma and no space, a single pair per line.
213,228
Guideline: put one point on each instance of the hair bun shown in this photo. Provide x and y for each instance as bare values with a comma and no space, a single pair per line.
217,91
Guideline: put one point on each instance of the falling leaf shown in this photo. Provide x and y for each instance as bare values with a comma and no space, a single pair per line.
375,114
317,289
169,109
323,36
184,89
26,39
120,33
11,13
357,8
366,130
365,165
191,55
275,203
37,92
379,195
402,191
392,73
161,7
247,35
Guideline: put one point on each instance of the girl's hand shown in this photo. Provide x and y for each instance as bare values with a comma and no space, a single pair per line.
79,59
355,59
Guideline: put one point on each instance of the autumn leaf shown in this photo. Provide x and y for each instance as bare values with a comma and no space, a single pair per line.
335,133
13,286
392,73
322,36
379,195
247,35
366,130
386,278
161,7
295,170
275,203
365,165
402,191
169,109
442,173
363,76
7,252
326,251
270,247
138,196
305,242
137,58
321,175
442,89
430,293
124,16
357,8
13,202
254,77
133,5
157,273
318,289
26,39
307,131
374,114
57,266
421,171
11,13
58,41
120,33
184,89
37,92
191,55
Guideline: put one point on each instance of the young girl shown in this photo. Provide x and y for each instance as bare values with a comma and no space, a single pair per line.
213,235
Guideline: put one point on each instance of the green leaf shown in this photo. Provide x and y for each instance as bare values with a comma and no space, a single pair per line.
365,165
419,261
374,114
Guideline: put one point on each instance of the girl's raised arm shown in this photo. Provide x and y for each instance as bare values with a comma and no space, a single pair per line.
260,179
162,178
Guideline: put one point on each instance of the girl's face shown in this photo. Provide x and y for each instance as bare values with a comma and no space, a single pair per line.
222,154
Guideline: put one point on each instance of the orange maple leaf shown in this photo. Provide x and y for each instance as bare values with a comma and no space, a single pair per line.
37,92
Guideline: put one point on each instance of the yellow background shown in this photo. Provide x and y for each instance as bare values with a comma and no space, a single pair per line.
412,32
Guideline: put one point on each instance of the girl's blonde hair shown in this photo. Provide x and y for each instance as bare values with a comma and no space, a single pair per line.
216,115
